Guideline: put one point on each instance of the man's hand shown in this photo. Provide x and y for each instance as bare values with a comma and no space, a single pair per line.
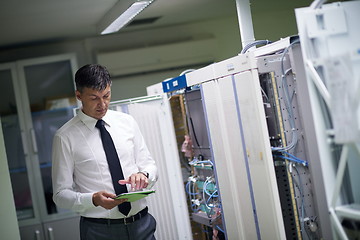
138,181
105,200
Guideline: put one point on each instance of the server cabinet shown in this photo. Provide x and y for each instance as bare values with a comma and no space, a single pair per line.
237,130
260,142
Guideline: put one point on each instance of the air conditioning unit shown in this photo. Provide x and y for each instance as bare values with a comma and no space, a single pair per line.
161,57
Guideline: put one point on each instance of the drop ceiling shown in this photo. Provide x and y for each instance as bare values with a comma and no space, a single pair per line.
26,22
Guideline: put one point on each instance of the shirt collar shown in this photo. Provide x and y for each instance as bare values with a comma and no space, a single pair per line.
87,120
90,122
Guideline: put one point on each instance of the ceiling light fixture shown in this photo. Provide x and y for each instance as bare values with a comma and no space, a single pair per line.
126,16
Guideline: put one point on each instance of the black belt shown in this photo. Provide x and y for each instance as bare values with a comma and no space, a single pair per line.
125,221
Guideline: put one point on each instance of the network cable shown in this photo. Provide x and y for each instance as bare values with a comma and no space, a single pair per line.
287,102
188,191
220,229
195,203
196,161
253,44
211,197
293,158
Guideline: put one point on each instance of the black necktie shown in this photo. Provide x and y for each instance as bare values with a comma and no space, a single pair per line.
114,165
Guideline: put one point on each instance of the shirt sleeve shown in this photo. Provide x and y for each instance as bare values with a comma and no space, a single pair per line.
62,176
143,158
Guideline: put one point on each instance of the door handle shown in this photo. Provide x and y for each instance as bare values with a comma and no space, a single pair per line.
37,235
51,233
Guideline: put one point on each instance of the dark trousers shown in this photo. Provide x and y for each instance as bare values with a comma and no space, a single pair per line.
142,229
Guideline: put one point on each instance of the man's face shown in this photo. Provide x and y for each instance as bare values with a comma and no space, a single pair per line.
95,103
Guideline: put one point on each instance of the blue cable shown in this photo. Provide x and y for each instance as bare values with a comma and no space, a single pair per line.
211,196
205,189
193,162
219,228
206,161
194,209
305,163
287,153
187,188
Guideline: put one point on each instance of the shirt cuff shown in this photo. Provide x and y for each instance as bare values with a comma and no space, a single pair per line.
86,200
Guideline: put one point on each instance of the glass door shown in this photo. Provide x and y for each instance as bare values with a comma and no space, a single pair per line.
38,97
48,84
14,137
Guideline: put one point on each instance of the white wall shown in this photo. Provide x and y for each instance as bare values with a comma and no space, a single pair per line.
135,86
224,31
9,228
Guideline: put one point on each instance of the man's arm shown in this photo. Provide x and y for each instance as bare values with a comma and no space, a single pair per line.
62,179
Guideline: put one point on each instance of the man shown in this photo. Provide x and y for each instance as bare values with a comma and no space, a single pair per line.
84,178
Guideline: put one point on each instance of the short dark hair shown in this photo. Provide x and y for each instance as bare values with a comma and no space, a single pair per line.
92,76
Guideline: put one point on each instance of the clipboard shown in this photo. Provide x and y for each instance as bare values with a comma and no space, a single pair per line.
134,196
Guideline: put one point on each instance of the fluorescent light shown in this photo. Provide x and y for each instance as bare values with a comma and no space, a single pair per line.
127,16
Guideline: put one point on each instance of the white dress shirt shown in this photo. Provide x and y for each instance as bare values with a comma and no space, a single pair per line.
80,167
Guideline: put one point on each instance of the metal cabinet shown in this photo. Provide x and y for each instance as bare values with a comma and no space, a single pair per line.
32,232
38,97
52,230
